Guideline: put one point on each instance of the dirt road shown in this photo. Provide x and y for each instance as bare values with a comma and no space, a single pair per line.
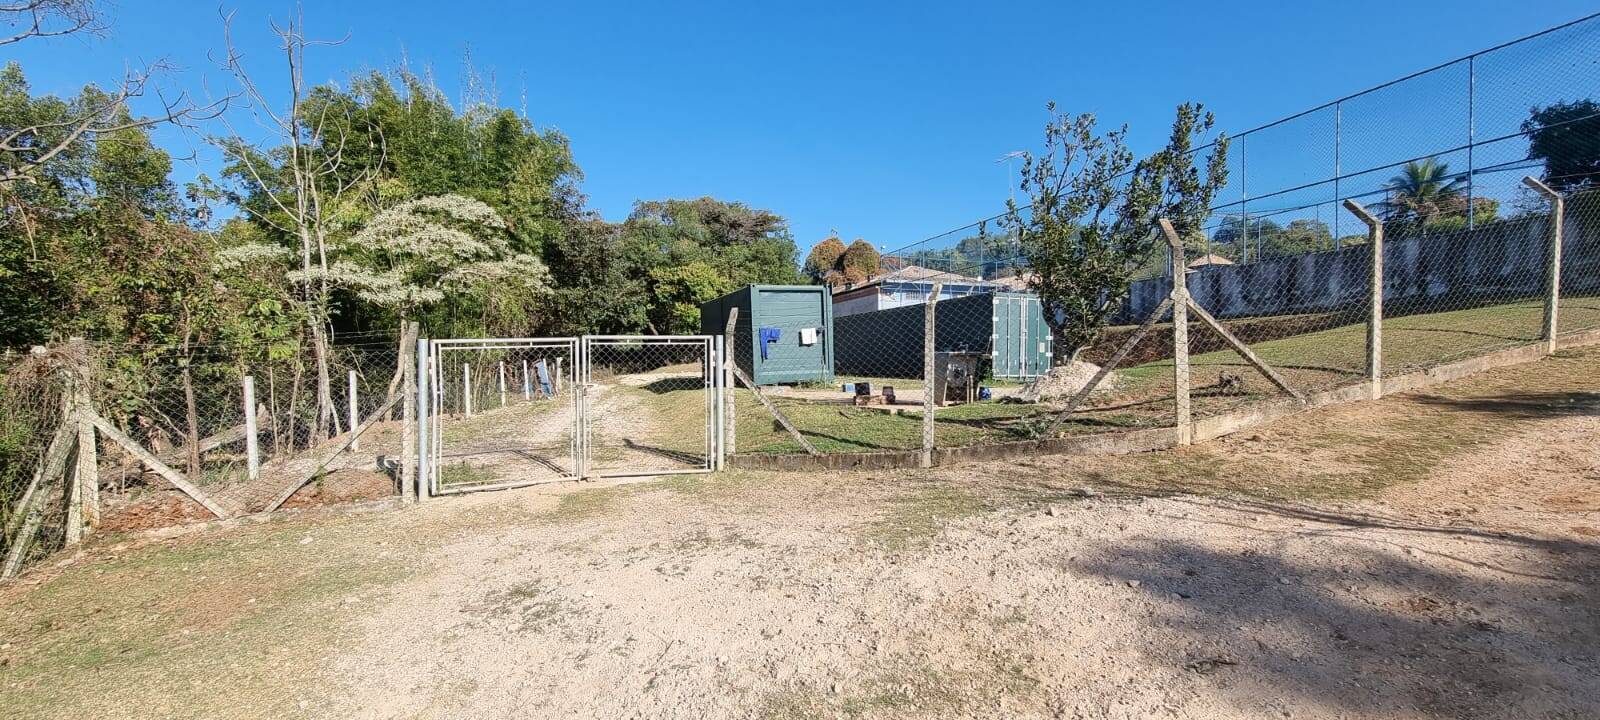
1432,555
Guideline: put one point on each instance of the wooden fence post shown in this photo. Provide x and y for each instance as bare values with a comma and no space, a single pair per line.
252,445
929,382
1180,333
1374,298
1552,296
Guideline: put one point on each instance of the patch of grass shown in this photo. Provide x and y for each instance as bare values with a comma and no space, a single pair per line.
911,519
463,473
152,632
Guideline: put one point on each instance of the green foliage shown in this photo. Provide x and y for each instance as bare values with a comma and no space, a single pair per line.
1092,221
1422,192
678,250
1567,137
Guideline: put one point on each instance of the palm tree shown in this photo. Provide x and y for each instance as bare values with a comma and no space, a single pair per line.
1423,191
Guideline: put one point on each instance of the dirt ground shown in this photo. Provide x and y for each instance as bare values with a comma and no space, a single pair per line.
1432,555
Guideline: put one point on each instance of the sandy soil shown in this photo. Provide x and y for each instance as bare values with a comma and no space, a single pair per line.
1429,556
1467,593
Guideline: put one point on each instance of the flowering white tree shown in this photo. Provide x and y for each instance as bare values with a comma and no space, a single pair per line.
421,251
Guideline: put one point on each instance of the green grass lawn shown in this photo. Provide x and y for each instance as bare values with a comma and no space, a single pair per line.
1310,362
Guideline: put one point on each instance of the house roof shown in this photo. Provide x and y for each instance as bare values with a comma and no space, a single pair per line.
914,274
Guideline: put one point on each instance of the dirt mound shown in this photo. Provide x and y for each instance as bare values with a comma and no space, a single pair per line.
1063,382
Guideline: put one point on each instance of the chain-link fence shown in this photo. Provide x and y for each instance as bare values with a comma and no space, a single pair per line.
181,434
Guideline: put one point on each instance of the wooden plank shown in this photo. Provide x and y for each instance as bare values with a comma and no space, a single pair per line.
1105,370
1244,350
329,455
782,419
154,463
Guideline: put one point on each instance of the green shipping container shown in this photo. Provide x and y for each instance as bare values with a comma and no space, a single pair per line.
1007,327
801,317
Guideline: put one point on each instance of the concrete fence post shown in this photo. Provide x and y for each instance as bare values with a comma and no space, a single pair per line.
410,465
1552,296
527,382
502,383
1374,298
354,411
929,368
466,388
1180,333
252,443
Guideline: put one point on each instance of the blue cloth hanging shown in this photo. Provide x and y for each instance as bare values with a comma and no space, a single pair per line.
769,335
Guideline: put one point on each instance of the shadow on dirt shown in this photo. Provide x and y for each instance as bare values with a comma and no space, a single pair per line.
1393,624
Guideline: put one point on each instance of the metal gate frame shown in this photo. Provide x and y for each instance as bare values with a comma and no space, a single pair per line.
430,447
712,376
431,400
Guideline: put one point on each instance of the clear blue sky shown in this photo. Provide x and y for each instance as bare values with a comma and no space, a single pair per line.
880,120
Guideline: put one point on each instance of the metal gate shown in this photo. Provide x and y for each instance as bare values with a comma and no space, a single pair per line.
650,404
508,412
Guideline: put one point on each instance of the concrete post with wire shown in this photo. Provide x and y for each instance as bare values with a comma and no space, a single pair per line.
1552,289
354,411
1374,298
1180,333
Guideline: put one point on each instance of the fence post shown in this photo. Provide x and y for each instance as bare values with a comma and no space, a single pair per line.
1374,298
86,473
420,448
929,330
355,410
1180,333
409,465
527,383
1552,297
252,444
502,383
729,331
466,388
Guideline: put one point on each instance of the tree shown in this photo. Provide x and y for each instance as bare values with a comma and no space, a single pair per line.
1566,136
297,186
28,144
675,247
859,262
1092,219
823,260
1422,192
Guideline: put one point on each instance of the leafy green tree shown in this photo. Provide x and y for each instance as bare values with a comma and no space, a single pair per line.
1092,218
1423,191
1566,136
664,242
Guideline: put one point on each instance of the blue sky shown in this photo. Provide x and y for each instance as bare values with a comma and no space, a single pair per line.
878,120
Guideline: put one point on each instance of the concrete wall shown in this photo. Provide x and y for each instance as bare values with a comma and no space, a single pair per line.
1498,261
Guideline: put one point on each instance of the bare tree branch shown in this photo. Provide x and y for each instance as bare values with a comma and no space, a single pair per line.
50,18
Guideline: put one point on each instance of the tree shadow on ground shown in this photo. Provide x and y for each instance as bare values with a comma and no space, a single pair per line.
1397,622
1521,406
662,386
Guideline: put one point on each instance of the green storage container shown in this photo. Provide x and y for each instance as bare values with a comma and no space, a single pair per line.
791,310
